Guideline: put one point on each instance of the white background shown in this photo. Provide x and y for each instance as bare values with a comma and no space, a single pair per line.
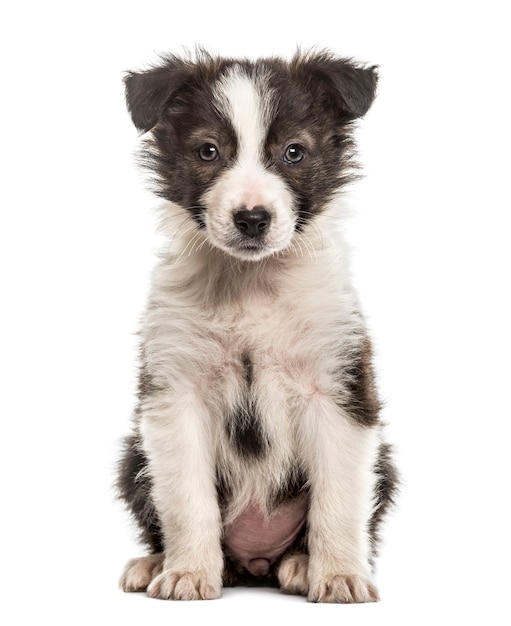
431,236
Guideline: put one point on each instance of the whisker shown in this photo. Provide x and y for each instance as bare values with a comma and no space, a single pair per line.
182,234
201,245
293,249
186,248
324,214
309,247
299,246
319,234
195,240
187,220
305,245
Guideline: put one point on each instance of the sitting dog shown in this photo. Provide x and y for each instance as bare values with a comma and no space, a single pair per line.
256,455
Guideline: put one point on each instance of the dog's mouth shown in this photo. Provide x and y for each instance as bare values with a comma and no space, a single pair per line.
249,248
249,235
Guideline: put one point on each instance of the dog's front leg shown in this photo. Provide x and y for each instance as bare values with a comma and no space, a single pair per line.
341,455
178,441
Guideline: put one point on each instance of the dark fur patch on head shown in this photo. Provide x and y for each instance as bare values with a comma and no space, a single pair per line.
175,101
321,95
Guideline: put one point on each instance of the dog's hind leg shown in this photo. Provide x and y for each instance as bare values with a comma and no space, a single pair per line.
139,573
292,574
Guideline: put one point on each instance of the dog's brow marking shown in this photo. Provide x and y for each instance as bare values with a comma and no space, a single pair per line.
242,101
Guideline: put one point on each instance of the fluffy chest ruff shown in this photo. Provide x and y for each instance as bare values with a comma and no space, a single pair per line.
256,453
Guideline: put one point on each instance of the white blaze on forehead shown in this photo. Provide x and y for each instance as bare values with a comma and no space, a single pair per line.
244,101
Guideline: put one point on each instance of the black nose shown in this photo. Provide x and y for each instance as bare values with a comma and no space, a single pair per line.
252,222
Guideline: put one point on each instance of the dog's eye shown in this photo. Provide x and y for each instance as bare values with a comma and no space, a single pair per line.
209,152
294,153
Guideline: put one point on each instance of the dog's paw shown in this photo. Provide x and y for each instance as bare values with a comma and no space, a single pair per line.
342,588
292,574
139,573
178,585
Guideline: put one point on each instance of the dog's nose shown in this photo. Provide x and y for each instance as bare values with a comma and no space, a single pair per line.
252,222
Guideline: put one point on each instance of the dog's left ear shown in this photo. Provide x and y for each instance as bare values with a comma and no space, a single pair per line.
352,86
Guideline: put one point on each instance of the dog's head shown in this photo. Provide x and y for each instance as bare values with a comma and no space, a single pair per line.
252,150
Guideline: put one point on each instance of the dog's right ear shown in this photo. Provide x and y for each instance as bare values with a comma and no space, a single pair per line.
351,86
148,93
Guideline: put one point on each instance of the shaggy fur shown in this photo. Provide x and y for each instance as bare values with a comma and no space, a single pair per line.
256,455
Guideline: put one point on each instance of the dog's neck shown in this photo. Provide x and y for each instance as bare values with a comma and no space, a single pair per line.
210,278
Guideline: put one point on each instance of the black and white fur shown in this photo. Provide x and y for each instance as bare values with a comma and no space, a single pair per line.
256,384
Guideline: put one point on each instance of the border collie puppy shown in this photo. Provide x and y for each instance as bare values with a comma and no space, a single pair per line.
256,455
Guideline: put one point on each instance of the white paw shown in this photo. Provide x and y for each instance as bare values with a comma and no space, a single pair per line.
292,574
138,573
179,585
343,588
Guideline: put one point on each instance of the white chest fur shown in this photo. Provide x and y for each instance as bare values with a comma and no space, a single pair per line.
244,338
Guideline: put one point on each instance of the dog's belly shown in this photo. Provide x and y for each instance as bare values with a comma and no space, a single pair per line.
257,541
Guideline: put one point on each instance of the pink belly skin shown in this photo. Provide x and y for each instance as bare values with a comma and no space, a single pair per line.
257,541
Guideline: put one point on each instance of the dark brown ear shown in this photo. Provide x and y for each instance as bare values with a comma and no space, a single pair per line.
352,85
149,92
